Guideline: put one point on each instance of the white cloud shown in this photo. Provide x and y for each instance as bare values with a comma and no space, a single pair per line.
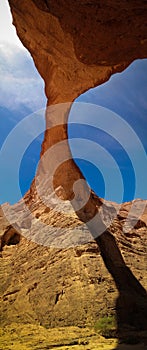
7,30
21,86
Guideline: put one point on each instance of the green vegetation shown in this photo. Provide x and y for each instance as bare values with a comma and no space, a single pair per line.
106,326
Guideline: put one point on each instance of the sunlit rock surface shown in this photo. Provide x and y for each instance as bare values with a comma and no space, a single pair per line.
63,281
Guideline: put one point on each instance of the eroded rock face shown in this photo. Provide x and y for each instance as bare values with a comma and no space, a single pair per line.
10,237
56,284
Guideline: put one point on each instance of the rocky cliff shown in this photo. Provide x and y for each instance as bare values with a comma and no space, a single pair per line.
75,46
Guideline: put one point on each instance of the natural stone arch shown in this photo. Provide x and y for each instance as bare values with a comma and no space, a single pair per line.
56,40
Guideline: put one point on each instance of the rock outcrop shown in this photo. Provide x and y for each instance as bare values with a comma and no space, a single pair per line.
64,283
76,46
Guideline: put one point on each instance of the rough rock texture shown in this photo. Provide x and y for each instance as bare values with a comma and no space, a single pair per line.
75,46
69,286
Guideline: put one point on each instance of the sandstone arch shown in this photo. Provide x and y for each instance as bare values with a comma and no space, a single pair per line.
72,60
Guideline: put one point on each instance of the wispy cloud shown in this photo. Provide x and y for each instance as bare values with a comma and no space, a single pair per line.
7,30
21,86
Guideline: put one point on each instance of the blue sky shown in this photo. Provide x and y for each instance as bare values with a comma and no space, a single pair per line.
120,163
126,95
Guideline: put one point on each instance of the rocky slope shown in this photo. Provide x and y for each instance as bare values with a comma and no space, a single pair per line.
63,281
